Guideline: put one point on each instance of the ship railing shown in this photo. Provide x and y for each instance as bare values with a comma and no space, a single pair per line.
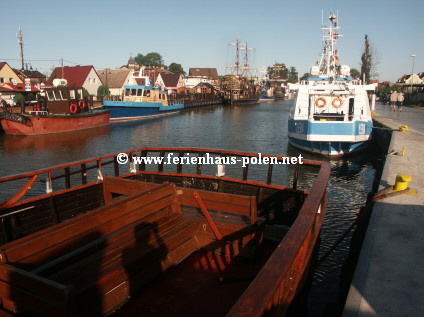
57,179
280,281
175,101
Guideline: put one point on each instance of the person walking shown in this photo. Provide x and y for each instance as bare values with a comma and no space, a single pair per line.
393,100
400,99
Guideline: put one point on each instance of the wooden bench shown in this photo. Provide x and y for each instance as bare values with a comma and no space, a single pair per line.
107,253
235,216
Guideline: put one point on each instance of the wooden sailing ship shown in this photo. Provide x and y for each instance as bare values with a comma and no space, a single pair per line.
157,240
239,86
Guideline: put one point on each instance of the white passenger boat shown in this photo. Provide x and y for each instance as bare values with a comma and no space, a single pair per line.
331,114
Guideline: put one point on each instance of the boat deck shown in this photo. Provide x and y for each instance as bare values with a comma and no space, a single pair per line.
205,284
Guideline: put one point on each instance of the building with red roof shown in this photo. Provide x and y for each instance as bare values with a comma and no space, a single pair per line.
173,83
78,76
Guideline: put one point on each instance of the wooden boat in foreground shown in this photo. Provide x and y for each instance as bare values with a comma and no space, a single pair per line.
178,243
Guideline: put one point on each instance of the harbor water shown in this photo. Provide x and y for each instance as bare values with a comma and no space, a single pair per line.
258,128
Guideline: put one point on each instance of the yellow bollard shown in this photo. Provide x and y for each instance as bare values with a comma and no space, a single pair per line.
402,181
403,151
403,128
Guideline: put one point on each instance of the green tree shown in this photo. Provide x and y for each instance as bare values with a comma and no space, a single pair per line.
176,69
366,60
395,87
292,78
85,93
103,91
355,74
305,76
19,98
150,59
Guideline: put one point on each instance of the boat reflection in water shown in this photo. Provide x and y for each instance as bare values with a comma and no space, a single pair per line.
73,140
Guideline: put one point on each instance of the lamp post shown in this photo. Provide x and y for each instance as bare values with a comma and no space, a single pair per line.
412,76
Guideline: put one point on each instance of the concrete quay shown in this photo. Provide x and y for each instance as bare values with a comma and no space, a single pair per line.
389,277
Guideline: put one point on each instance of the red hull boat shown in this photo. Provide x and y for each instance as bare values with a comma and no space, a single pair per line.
59,109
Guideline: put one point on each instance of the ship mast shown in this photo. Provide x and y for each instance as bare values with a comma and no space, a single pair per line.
329,57
246,66
21,46
235,69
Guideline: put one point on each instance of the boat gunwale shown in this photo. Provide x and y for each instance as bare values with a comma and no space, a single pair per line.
151,149
260,294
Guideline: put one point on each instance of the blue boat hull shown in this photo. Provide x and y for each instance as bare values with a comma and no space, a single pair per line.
332,139
126,111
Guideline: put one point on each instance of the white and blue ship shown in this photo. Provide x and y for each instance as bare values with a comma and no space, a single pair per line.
331,114
141,100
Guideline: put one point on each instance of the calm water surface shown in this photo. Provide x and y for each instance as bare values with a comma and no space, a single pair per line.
252,128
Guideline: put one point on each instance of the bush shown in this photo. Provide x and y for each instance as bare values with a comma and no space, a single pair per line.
19,98
103,91
85,93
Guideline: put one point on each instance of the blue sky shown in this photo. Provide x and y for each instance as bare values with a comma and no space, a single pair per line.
196,33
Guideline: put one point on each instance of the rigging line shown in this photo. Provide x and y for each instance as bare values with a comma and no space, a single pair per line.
30,60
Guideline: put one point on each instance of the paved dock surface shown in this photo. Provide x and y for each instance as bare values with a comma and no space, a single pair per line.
389,277
412,117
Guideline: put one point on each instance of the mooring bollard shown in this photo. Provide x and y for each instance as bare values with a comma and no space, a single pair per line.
402,181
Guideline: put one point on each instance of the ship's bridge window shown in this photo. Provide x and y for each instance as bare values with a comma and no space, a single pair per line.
72,94
57,95
146,93
139,92
65,95
351,108
133,92
50,95
127,92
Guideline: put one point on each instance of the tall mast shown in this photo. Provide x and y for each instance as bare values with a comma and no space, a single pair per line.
236,68
21,46
329,58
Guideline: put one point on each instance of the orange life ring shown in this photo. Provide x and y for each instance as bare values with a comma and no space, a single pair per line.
73,108
337,102
81,104
320,102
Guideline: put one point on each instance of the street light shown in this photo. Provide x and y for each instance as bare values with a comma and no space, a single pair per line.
412,76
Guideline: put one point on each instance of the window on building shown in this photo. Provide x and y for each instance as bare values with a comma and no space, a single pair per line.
133,92
1,80
139,92
94,80
89,80
10,79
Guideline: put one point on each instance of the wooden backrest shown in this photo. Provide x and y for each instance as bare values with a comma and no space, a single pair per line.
102,221
234,204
